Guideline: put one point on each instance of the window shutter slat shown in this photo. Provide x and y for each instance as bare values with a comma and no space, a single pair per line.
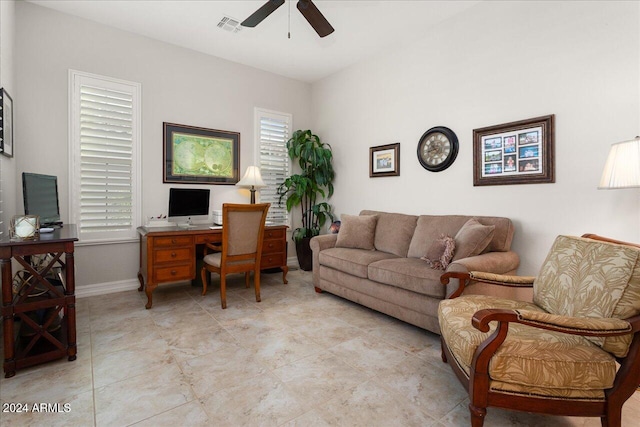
274,160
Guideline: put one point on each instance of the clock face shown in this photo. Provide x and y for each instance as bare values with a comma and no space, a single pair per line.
437,149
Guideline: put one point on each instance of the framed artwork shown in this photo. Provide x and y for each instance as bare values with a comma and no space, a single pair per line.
515,153
194,155
384,160
6,123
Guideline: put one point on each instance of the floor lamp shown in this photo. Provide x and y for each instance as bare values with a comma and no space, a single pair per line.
252,180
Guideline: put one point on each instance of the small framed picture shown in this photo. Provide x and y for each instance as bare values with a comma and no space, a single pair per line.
6,123
384,160
515,153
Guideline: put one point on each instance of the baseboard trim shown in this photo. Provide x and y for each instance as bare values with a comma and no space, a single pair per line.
96,289
106,288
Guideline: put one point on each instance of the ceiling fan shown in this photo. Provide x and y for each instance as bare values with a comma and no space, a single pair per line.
306,7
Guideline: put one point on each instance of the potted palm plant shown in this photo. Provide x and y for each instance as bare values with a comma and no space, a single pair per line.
308,189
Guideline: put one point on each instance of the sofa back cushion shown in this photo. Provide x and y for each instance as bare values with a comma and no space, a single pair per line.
357,232
430,227
394,232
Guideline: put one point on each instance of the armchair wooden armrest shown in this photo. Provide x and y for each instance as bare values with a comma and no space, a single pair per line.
213,247
479,276
594,327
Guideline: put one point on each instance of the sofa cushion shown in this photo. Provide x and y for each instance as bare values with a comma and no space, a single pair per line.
472,239
393,232
440,253
411,274
528,357
357,232
352,261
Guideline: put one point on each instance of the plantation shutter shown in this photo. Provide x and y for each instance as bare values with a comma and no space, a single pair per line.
106,197
273,133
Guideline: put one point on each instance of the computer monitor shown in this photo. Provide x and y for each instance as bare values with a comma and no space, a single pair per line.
40,195
188,205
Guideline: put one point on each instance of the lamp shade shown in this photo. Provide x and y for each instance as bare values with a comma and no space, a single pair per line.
622,169
252,178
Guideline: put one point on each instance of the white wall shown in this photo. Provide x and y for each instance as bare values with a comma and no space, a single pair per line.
498,62
178,86
7,81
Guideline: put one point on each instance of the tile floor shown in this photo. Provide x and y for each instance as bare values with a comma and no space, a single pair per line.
296,359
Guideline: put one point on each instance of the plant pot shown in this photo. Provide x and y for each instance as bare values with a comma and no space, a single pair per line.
304,253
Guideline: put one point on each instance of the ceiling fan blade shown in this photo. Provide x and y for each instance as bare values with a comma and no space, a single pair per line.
258,16
315,17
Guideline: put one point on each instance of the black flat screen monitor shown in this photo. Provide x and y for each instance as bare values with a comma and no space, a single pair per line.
40,194
188,202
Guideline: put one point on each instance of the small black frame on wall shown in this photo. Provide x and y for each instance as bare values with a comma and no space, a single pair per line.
6,123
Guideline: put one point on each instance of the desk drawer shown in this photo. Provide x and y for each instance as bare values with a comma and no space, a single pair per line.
208,238
173,255
273,246
275,234
272,260
173,241
178,272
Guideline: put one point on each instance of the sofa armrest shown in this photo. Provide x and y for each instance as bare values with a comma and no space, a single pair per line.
318,244
490,262
322,242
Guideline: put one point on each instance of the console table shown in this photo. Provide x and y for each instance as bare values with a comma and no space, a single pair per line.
43,335
168,254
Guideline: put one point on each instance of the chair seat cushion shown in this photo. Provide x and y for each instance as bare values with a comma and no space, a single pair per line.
215,260
552,363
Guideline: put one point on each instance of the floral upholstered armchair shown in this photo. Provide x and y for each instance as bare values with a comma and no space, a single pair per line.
575,350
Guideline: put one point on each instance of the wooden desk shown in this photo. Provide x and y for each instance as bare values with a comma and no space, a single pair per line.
42,336
168,254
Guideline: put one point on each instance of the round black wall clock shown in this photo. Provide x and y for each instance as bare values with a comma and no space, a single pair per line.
437,149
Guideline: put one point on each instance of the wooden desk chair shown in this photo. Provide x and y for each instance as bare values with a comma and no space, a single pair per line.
241,248
574,350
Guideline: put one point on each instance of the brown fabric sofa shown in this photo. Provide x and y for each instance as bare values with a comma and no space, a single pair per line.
392,278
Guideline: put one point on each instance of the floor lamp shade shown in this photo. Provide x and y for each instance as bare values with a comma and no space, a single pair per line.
252,180
622,169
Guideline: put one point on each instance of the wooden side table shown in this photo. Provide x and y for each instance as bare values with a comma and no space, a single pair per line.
43,335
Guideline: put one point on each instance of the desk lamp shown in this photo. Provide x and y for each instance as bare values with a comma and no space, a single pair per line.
252,180
622,169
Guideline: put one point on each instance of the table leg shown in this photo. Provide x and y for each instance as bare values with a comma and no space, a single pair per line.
149,291
7,320
285,270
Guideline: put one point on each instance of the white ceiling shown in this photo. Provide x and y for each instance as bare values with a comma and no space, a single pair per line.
362,29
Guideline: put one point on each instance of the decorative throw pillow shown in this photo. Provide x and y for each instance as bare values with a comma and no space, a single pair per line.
473,238
357,231
440,253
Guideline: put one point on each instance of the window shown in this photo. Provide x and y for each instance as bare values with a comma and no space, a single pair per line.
104,164
273,129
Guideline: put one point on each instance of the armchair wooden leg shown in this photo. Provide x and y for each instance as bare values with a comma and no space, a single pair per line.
477,415
206,277
223,290
443,354
256,281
